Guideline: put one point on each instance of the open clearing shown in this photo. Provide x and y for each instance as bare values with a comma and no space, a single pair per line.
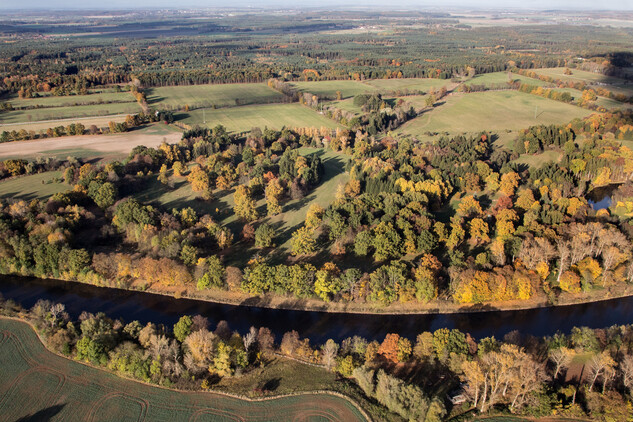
112,146
35,186
175,97
54,113
491,111
274,116
39,385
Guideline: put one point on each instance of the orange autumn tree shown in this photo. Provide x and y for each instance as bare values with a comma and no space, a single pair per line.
389,347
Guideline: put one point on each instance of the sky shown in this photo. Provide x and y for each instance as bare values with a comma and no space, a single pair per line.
425,4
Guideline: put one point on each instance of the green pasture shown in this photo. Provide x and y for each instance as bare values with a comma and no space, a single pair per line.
34,186
73,100
491,111
176,97
499,78
240,119
36,384
55,113
329,88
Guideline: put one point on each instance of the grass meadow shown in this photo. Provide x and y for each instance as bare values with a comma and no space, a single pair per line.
221,95
491,111
34,186
241,119
498,78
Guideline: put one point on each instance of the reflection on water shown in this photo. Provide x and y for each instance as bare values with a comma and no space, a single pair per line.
600,198
317,326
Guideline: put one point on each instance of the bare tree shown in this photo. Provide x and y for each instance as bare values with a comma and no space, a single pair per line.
601,364
626,368
561,358
57,311
563,254
330,351
250,338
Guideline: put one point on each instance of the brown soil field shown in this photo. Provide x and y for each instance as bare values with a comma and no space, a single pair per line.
93,146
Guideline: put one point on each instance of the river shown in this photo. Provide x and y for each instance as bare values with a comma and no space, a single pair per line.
317,326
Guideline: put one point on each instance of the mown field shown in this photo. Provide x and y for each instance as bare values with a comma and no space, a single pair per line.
73,100
240,119
174,97
36,385
104,147
492,111
54,113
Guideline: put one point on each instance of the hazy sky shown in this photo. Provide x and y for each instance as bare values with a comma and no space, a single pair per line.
129,4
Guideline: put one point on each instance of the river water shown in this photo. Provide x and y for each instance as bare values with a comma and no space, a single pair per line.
317,326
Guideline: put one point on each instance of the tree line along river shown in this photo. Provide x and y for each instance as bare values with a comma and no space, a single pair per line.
317,326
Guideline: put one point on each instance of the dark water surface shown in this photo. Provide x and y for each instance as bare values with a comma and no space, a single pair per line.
600,198
317,326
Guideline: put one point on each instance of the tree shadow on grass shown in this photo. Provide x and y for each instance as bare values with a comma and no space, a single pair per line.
44,414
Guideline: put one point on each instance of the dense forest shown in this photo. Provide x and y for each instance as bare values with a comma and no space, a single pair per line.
255,48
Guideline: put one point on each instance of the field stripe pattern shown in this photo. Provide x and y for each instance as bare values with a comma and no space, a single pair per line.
38,384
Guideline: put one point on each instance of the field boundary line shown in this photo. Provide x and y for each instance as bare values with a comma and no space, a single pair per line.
217,392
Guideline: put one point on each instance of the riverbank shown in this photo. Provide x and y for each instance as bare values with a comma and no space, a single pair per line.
436,307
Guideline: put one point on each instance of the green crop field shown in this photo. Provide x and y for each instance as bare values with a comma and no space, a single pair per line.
34,186
329,88
175,97
275,116
499,78
73,100
36,384
54,113
492,111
